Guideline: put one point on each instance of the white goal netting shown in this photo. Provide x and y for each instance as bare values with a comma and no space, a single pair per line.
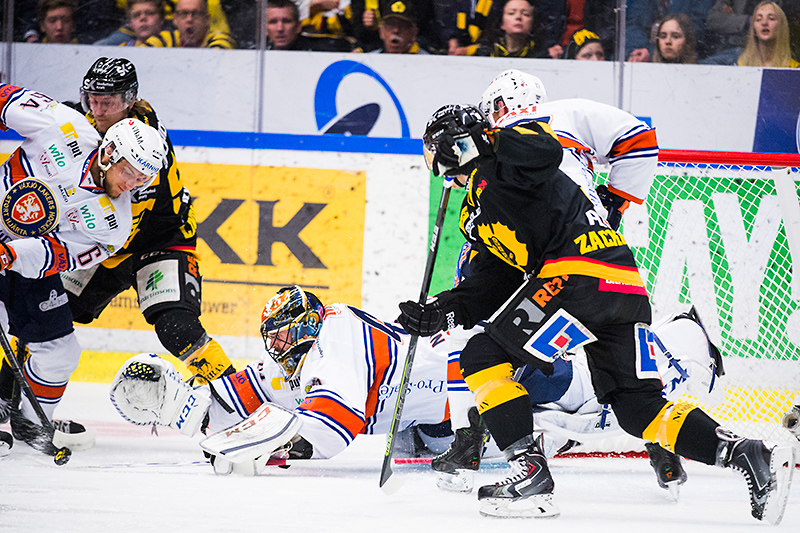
721,231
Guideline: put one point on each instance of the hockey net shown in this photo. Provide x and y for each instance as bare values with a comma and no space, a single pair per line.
721,231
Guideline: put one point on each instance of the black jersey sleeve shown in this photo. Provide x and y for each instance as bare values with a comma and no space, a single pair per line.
491,282
531,145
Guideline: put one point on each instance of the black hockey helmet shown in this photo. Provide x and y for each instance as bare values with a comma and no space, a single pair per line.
290,323
110,75
455,120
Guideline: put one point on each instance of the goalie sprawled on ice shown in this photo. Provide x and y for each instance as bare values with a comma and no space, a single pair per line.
332,373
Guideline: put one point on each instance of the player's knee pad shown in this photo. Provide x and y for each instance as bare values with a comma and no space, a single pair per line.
178,330
148,390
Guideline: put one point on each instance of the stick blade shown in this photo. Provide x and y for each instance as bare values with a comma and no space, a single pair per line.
391,484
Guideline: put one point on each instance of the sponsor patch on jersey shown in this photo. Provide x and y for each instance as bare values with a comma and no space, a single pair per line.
54,301
97,214
66,192
48,163
29,209
158,282
71,138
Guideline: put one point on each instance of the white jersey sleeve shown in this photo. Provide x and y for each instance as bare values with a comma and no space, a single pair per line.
616,138
590,131
353,374
52,213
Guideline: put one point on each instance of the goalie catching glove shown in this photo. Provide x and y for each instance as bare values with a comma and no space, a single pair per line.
441,313
148,390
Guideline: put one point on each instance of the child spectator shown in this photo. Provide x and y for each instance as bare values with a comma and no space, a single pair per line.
514,36
145,20
675,40
586,46
768,39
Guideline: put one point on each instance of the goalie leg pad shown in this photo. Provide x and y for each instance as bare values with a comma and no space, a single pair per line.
269,428
148,390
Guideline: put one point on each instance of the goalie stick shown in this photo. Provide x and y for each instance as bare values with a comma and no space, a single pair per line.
388,485
60,455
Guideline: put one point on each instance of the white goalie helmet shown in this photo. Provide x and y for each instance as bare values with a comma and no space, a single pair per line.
515,89
139,144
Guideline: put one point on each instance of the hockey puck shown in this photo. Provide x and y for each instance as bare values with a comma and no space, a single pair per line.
62,456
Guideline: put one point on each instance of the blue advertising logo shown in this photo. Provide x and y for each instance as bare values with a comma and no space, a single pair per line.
359,121
777,125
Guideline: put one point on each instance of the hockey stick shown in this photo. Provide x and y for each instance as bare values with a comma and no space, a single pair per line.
386,470
60,455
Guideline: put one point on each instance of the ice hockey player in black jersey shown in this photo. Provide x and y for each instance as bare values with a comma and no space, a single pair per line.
551,275
163,237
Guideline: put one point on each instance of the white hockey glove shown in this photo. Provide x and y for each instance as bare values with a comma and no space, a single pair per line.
148,390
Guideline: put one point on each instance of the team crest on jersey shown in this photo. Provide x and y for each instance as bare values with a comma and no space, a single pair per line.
29,209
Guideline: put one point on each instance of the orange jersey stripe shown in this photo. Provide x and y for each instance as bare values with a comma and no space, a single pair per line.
589,267
46,391
6,91
17,169
244,391
381,350
333,409
566,142
454,371
60,257
643,141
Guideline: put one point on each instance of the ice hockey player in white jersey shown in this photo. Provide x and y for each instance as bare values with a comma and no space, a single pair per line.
589,132
338,371
65,206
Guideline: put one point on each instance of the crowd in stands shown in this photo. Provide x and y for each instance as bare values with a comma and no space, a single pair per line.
727,32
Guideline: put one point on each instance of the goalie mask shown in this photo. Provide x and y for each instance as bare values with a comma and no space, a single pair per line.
454,120
290,323
510,91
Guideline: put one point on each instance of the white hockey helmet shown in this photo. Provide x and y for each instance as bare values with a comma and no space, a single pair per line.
514,88
139,144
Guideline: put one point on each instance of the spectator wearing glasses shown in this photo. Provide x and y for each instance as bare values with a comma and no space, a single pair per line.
192,29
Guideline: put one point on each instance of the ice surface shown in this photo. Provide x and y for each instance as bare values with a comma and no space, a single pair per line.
134,481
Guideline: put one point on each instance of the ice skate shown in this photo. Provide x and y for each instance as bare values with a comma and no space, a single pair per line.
458,464
768,472
528,492
669,470
73,435
6,443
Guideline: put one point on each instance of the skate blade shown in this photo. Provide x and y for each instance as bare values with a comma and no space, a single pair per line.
539,506
674,488
782,466
77,442
461,481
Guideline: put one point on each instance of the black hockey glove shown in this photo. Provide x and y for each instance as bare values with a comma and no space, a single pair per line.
438,315
614,204
457,149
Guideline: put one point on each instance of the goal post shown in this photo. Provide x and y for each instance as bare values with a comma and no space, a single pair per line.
720,231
